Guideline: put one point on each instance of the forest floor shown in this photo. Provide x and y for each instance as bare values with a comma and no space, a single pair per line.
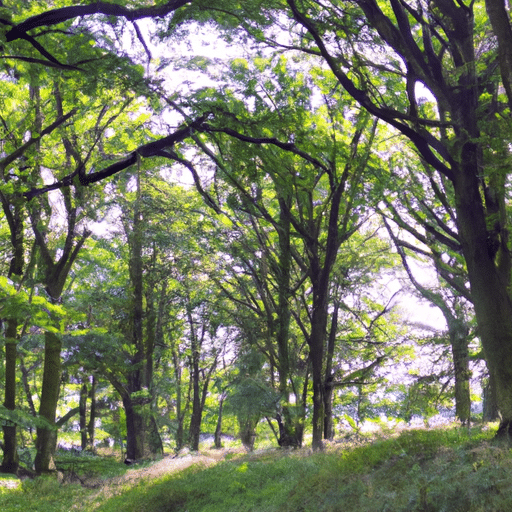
423,470
166,466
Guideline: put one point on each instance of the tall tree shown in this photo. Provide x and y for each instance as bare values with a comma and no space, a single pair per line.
306,191
439,45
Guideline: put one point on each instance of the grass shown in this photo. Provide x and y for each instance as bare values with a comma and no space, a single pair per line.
448,469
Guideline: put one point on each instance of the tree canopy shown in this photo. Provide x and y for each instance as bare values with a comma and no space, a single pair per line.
325,150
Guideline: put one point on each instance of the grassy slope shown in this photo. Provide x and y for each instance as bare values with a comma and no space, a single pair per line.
438,470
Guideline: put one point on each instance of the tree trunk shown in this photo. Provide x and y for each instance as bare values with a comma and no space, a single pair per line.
316,353
195,419
328,422
154,441
134,430
218,428
329,377
180,410
83,416
490,408
492,303
179,432
318,396
10,460
459,343
47,437
92,413
14,216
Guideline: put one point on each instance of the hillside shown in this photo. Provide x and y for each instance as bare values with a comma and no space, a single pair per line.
417,470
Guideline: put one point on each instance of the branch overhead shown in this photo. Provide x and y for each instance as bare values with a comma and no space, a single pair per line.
151,149
55,16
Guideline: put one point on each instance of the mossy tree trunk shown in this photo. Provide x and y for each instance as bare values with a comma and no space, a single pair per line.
47,435
195,419
13,212
83,415
490,408
10,460
134,429
459,333
329,376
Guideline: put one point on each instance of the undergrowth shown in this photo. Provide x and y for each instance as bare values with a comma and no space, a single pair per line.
450,470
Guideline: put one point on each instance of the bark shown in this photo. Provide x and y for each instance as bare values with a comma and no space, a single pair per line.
198,406
218,428
195,425
329,377
195,419
13,214
47,437
134,430
460,353
10,460
328,419
500,21
154,440
490,408
181,410
316,356
83,415
92,413
179,438
142,431
63,14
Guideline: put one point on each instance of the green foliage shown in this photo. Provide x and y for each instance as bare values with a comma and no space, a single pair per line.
19,304
22,419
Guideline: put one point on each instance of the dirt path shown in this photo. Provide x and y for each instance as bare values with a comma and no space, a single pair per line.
163,467
116,485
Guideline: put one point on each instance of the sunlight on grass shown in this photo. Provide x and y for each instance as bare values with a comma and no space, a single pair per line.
448,469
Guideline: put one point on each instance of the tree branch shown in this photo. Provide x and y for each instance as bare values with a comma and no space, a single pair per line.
55,16
4,162
423,140
151,149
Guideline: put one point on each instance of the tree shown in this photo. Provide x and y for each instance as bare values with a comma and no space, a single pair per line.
309,191
380,53
17,173
439,47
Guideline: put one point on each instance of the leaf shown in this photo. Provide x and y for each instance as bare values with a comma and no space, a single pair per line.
350,421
